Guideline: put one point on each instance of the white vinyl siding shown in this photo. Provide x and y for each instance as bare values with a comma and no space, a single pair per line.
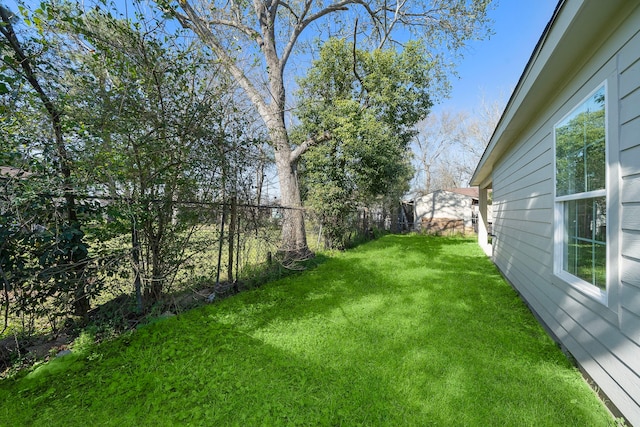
630,194
603,336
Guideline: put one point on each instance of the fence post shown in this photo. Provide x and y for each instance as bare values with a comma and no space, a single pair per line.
220,244
135,253
232,229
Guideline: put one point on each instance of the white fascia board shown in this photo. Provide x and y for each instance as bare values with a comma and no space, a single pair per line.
569,33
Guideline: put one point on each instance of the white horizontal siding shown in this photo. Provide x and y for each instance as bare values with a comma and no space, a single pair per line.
522,191
629,132
629,106
527,168
629,83
631,274
605,339
631,216
628,55
631,246
629,307
526,159
630,188
630,299
631,321
535,234
629,75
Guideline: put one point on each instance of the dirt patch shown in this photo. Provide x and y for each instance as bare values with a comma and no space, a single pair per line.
18,353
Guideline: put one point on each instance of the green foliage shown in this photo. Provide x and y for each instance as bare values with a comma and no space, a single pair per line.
161,133
355,94
148,125
580,148
44,259
369,103
407,330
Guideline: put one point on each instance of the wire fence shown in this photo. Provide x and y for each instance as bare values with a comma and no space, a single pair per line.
148,255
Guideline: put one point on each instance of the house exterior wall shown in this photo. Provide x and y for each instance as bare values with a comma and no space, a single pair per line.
604,337
445,205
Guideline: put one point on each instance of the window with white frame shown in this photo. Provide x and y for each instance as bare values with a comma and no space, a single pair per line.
580,194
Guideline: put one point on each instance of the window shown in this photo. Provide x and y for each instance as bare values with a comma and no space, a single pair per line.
580,194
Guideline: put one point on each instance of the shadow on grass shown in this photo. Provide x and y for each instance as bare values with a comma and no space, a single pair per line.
405,330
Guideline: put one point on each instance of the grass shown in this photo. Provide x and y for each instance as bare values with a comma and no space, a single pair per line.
403,331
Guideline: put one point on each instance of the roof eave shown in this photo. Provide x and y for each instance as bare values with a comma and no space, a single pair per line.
568,35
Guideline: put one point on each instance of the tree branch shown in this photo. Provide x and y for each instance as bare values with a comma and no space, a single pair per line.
29,74
303,23
388,28
311,142
291,11
231,23
251,33
193,21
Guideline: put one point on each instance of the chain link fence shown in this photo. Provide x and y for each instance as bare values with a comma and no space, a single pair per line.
148,256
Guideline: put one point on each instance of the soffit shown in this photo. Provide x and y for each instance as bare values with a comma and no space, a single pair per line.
573,34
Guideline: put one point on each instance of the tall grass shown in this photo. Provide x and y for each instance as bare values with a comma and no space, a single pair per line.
403,331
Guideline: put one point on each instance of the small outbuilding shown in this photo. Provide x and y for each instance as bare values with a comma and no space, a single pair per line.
447,211
564,168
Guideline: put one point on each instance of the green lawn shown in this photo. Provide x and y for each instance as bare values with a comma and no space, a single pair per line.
403,331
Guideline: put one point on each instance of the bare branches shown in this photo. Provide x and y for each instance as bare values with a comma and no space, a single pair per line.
196,23
303,21
290,9
387,26
235,23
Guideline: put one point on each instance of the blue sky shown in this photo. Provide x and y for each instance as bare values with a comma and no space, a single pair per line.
491,68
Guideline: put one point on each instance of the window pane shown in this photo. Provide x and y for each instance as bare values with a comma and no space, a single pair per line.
600,266
580,148
585,240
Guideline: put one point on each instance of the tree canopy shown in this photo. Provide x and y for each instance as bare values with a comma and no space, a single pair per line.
255,42
367,103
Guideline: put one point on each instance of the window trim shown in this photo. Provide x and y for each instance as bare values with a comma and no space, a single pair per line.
559,229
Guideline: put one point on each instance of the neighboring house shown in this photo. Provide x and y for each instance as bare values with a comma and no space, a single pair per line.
447,211
564,166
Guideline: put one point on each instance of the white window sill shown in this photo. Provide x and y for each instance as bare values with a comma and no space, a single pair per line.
583,287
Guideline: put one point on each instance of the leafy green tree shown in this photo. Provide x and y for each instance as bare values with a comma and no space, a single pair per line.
148,126
30,64
155,135
368,102
255,41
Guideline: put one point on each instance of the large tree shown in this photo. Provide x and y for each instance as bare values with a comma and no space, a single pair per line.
255,41
449,145
369,102
159,134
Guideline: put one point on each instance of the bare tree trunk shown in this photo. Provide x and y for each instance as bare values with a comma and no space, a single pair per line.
294,237
271,108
